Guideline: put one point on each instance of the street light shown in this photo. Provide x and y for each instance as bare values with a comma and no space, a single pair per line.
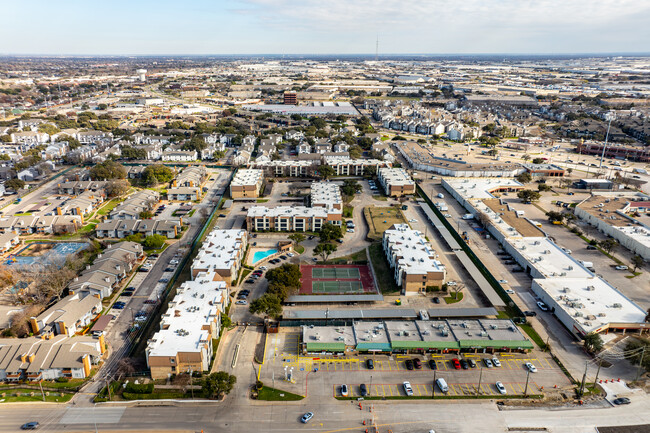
609,116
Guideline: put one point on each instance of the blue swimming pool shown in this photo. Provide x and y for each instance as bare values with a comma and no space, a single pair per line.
261,255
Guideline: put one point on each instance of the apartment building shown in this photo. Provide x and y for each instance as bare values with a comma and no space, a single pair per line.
134,204
413,259
246,183
396,182
287,168
68,316
191,177
184,193
326,195
221,254
293,219
192,321
345,166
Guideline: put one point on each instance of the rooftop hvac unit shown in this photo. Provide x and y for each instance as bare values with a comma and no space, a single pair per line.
602,314
483,334
617,305
591,288
578,314
567,289
494,327
587,323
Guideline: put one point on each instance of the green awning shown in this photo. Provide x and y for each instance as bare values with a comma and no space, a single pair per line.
495,344
382,347
325,347
409,345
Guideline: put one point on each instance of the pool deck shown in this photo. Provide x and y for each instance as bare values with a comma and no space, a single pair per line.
253,250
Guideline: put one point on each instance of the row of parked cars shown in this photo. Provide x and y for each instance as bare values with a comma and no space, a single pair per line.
458,364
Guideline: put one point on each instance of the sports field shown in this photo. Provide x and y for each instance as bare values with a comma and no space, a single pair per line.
336,280
381,219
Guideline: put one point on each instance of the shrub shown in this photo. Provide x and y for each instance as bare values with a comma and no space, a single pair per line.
139,388
62,379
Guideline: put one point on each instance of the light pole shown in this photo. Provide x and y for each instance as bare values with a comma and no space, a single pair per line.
527,377
480,378
191,387
610,117
433,391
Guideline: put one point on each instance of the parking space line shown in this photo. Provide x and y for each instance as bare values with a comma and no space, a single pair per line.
390,389
383,390
418,388
484,391
548,363
514,390
520,387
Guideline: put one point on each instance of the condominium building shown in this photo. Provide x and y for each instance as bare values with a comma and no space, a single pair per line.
327,195
413,259
291,218
396,182
187,330
221,254
345,166
246,183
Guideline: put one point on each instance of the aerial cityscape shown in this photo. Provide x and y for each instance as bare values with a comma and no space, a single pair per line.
316,227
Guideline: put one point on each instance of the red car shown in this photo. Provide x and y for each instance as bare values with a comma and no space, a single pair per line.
456,363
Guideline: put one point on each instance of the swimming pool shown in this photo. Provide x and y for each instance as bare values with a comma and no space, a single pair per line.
261,255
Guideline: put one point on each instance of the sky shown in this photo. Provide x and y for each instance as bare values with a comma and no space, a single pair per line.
140,27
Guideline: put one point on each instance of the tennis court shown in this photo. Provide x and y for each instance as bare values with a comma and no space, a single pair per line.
331,273
336,286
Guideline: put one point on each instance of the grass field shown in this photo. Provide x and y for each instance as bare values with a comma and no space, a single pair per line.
382,270
26,397
381,218
271,394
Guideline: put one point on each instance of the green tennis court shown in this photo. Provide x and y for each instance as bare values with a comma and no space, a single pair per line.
336,286
329,273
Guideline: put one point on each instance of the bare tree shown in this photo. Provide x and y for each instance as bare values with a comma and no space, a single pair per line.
125,367
53,280
457,289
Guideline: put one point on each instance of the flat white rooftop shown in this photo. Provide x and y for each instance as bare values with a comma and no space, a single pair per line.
417,255
480,188
638,233
548,258
395,176
220,249
591,302
325,193
291,212
249,176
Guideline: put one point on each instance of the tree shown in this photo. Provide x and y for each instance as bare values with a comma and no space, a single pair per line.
325,171
125,367
5,138
53,280
297,238
268,304
154,242
543,187
217,384
146,214
526,157
296,117
457,289
15,184
608,245
324,250
528,195
107,170
117,187
48,128
355,152
330,232
156,173
538,160
196,143
351,187
129,152
593,342
524,177
555,216
370,171
637,262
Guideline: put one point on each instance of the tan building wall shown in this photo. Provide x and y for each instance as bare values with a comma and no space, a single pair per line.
243,191
400,190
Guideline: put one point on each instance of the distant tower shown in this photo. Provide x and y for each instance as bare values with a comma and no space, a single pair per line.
142,75
377,49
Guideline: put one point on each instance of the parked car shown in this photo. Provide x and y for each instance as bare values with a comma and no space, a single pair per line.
283,257
433,365
496,362
542,306
487,363
241,302
409,364
417,364
622,400
472,363
510,291
501,388
530,313
250,281
344,390
464,364
436,300
503,281
363,390
370,364
33,425
407,388
306,417
531,367
456,363
621,268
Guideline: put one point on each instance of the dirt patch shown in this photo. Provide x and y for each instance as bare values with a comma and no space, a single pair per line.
35,250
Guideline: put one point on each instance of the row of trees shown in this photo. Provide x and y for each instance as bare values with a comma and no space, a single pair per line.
283,281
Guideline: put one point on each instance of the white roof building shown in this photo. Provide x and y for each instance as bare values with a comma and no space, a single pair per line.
247,176
221,253
326,194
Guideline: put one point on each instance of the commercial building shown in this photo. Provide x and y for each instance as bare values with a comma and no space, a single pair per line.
592,184
293,219
313,108
619,151
419,336
609,214
246,183
582,301
414,262
396,182
326,195
221,254
290,98
187,329
544,170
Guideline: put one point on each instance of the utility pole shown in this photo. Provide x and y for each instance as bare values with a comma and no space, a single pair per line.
600,362
480,379
40,383
584,377
611,116
108,388
638,371
370,387
526,388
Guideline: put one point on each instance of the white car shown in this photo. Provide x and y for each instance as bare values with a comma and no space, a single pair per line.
621,268
503,281
344,390
487,362
451,283
447,215
263,268
290,254
407,388
510,291
501,388
531,367
413,220
542,306
496,362
241,302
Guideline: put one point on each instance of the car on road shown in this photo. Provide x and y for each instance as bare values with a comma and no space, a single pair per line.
306,417
363,390
531,367
622,400
436,300
417,364
472,363
530,313
409,364
621,268
407,388
150,301
510,291
487,362
501,388
433,365
344,390
33,425
542,306
242,302
370,364
496,362
503,281
456,363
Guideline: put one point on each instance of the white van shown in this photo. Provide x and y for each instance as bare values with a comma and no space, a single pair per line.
442,385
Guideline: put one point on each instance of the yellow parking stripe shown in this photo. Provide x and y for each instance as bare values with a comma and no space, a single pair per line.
383,390
390,389
418,388
521,388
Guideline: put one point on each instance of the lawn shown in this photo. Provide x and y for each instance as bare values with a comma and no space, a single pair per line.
528,329
385,278
381,219
107,208
348,211
271,394
26,397
453,298
359,256
299,249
